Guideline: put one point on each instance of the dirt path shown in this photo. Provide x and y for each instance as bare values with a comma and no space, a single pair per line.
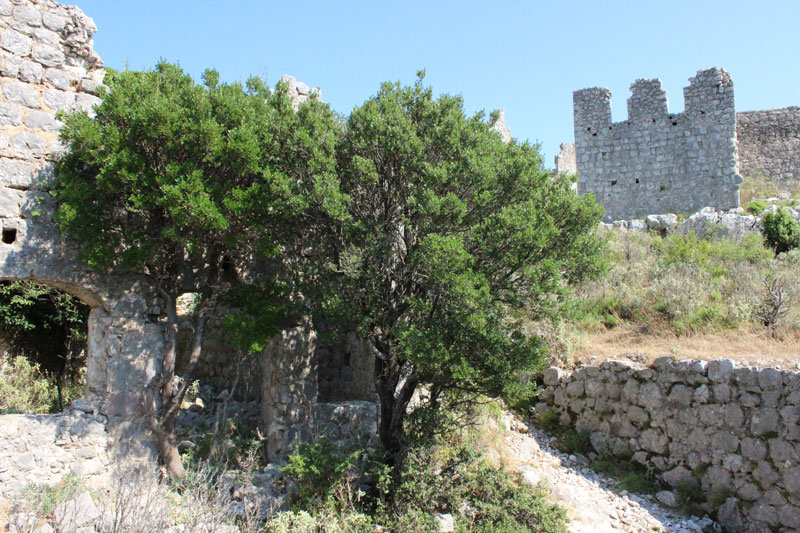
593,505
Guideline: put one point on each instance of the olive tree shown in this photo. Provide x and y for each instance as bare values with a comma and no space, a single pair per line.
451,239
189,184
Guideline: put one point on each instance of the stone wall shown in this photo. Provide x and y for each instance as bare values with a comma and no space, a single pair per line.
48,65
43,448
769,143
656,161
565,160
734,430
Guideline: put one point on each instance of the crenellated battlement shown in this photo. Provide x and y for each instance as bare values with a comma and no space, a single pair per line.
648,101
657,161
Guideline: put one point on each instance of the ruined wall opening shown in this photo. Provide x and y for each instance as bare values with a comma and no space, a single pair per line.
44,334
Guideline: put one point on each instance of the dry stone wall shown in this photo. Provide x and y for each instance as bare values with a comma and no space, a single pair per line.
656,161
43,448
769,144
733,430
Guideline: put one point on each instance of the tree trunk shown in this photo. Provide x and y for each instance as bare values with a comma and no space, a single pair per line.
394,404
165,422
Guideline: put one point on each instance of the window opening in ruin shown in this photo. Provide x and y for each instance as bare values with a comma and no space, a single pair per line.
588,129
637,180
227,263
613,182
43,347
9,235
674,123
594,135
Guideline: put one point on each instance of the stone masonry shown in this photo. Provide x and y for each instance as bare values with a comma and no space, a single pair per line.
48,65
732,430
656,161
769,144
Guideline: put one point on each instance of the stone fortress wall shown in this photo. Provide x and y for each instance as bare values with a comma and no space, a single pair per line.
734,431
657,161
769,143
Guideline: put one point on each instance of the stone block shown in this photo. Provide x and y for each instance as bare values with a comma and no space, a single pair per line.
10,200
16,172
27,14
30,72
10,114
16,42
46,36
27,143
53,21
720,371
20,93
59,100
60,79
42,120
48,55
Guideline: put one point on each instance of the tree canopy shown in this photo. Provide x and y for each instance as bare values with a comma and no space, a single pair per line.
452,238
190,185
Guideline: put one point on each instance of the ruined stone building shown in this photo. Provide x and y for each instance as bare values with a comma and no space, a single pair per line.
48,65
660,162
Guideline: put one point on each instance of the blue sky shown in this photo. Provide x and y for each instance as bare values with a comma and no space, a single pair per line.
526,57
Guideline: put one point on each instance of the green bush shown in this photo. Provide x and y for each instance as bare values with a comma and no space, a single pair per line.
321,470
572,441
756,207
781,231
23,388
450,477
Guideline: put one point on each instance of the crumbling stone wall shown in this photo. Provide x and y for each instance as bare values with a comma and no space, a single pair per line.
565,159
42,448
769,143
48,65
656,161
734,430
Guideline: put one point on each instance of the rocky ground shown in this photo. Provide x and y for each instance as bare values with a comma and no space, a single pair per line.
594,505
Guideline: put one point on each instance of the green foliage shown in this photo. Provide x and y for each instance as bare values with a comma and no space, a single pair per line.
547,420
45,498
448,476
319,470
449,233
24,388
756,207
171,176
781,231
49,326
630,476
572,441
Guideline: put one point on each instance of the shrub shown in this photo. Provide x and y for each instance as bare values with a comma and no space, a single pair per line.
449,477
781,231
756,207
23,388
572,441
322,471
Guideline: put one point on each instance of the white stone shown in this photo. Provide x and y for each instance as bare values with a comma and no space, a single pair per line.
16,173
46,36
58,100
28,15
445,522
29,143
20,93
48,56
57,78
15,42
30,72
43,120
9,202
54,22
10,114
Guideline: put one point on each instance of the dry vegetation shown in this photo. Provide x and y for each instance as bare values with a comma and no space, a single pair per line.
684,297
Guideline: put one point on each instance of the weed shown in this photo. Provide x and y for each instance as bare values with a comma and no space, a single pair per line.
547,420
572,441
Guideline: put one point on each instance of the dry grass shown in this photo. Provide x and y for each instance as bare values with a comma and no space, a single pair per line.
753,346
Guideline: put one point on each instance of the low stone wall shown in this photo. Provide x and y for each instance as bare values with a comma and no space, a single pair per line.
732,429
41,449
